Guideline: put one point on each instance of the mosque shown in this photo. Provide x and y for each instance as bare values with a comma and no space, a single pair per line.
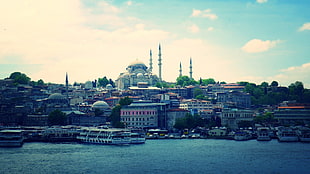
138,73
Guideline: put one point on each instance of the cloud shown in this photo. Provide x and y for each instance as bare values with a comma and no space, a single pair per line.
257,45
285,76
295,73
261,1
75,39
210,29
305,26
204,14
129,3
193,28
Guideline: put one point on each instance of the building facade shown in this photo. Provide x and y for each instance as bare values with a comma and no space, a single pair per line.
231,117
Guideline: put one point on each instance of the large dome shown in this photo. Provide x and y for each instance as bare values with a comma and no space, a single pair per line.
56,96
100,105
137,63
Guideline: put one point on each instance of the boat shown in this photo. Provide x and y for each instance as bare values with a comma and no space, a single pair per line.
287,134
242,135
11,138
303,134
104,136
263,134
137,138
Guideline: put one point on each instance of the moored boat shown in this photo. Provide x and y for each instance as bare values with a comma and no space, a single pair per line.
303,134
263,134
104,136
287,134
242,135
137,138
11,138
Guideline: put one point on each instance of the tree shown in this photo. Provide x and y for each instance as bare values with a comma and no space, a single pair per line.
115,116
205,82
274,83
40,82
185,81
112,83
103,81
296,91
264,84
125,101
20,78
57,117
197,92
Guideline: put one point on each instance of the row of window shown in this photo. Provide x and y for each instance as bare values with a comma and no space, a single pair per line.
137,119
138,112
229,115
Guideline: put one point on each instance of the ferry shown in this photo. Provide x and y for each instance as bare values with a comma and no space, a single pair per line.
303,134
286,134
11,138
137,138
104,136
242,135
263,134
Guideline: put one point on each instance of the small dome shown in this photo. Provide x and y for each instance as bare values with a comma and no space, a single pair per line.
109,86
56,96
100,105
140,75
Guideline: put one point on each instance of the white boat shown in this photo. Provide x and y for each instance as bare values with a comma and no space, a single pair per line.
137,138
104,136
242,135
263,134
303,134
286,134
11,138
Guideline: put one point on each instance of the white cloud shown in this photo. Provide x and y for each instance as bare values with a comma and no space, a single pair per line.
261,1
257,45
285,76
204,14
193,28
196,13
305,26
68,39
295,73
129,3
210,29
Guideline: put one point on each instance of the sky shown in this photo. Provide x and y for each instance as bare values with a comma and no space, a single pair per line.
228,40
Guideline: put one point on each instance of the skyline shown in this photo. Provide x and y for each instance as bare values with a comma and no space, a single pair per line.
231,40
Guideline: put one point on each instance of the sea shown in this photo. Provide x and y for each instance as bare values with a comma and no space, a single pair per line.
176,156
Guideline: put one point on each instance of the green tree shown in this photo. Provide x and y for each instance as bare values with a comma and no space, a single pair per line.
57,117
296,91
274,83
180,124
115,116
197,92
20,78
185,81
40,82
103,81
208,81
125,101
264,84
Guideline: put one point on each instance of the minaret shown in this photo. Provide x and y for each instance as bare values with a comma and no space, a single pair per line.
67,87
151,63
159,64
180,70
190,69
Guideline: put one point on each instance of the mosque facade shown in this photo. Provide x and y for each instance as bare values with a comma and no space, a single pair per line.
136,72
